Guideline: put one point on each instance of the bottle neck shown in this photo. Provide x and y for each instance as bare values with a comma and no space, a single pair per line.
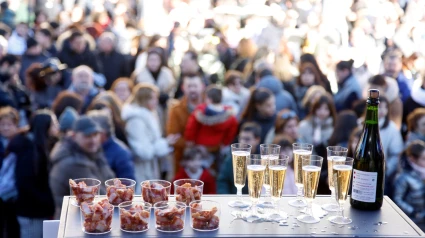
372,114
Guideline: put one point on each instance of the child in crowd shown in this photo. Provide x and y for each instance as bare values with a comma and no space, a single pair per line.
192,169
409,187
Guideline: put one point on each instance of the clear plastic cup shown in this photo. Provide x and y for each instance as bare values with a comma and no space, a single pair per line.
134,216
119,190
83,190
96,218
154,191
188,190
205,215
170,216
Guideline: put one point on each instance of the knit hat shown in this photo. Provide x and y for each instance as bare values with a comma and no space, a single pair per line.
67,119
31,42
86,125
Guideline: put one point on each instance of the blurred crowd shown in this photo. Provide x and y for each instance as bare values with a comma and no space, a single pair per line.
160,89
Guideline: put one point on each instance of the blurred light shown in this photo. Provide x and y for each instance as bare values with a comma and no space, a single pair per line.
215,40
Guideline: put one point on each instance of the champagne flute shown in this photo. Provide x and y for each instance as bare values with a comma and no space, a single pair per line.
334,153
268,152
341,175
240,155
256,171
299,150
277,170
311,165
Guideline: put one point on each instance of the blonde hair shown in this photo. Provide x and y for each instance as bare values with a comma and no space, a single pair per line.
312,90
142,93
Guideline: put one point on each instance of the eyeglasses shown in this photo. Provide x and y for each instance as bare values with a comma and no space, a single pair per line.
290,114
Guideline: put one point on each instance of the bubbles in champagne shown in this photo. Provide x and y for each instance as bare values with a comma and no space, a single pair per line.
311,175
298,164
255,180
239,167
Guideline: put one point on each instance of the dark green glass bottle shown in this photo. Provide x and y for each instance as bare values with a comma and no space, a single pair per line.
368,179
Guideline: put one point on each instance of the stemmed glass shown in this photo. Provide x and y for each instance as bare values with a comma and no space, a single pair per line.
256,171
341,176
311,166
268,152
334,153
299,149
240,155
277,171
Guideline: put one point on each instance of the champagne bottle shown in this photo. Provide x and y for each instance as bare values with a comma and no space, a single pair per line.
369,162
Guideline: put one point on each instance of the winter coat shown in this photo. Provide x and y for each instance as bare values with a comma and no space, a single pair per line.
68,161
45,98
284,100
178,116
165,81
209,128
27,60
145,139
210,186
306,131
299,95
225,179
238,102
392,142
266,124
409,193
72,59
88,99
119,158
416,99
114,65
348,92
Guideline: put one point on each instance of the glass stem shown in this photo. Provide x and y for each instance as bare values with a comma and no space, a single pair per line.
333,194
254,208
239,194
341,210
309,208
299,193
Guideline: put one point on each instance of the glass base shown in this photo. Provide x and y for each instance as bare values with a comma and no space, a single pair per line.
251,218
264,204
340,220
330,207
297,203
277,217
308,219
239,204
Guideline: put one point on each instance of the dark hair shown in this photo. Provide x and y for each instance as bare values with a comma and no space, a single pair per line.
356,133
283,140
160,52
258,96
387,117
191,152
413,118
323,99
346,122
66,99
311,59
11,113
283,117
214,93
33,80
359,107
345,65
253,128
74,35
231,76
5,29
309,66
46,32
39,127
193,55
415,149
10,59
378,80
152,41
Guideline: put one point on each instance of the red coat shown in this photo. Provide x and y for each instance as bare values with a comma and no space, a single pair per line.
209,181
212,130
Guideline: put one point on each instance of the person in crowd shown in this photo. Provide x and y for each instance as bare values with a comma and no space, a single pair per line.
7,15
67,99
193,88
416,125
78,156
9,121
250,133
388,88
353,141
323,79
212,124
3,45
261,109
234,93
285,142
283,99
393,68
109,101
191,168
308,77
118,155
349,89
286,124
189,66
346,122
83,85
408,186
45,82
158,74
44,37
66,121
122,87
416,99
75,52
144,133
314,92
33,54
245,51
19,38
113,63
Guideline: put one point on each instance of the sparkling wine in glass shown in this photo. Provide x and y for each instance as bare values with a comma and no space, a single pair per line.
268,152
256,171
240,155
277,171
299,150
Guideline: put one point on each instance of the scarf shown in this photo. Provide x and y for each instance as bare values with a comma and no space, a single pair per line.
419,169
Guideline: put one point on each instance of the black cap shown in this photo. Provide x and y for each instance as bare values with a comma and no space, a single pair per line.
86,125
374,93
31,42
52,65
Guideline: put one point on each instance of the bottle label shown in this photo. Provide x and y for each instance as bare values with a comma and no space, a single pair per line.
364,186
